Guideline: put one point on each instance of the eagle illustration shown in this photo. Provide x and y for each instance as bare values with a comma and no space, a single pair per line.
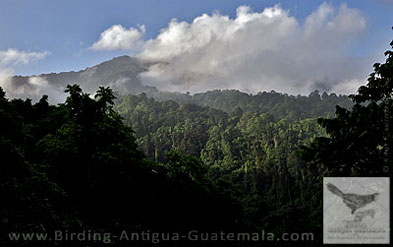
353,201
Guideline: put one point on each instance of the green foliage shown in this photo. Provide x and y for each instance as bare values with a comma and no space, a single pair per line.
251,155
278,104
76,167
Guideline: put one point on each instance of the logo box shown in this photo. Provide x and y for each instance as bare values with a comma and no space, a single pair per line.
356,210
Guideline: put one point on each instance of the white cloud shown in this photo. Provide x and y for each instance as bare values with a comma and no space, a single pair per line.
33,87
258,51
5,78
14,57
119,38
347,86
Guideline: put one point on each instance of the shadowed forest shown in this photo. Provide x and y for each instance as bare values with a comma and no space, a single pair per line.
215,161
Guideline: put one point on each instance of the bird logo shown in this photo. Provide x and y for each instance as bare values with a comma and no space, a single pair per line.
353,201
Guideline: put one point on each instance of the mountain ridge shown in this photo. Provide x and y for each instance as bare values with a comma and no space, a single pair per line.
122,74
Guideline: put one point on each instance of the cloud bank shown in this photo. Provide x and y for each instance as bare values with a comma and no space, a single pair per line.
35,86
118,38
257,51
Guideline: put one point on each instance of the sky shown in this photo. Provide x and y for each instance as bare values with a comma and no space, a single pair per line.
288,46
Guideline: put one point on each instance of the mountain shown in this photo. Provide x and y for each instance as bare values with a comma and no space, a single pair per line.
120,73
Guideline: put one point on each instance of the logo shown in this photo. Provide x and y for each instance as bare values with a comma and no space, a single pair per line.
356,210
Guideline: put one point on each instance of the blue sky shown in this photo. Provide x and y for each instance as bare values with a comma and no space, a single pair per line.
63,31
67,28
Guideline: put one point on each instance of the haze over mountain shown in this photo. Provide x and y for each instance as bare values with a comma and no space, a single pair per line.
124,74
120,73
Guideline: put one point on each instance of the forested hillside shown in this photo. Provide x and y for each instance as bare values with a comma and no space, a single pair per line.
185,167
212,163
76,167
189,167
278,104
255,150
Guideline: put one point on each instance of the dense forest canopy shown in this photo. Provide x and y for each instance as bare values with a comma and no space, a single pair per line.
76,166
278,104
244,162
